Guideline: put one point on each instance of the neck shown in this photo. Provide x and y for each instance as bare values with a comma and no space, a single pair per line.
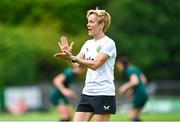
99,36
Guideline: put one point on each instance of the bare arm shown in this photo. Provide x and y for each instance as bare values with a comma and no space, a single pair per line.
93,64
131,83
59,83
66,54
74,65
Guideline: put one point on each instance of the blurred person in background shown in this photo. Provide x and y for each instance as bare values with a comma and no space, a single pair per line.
135,86
62,93
19,108
98,55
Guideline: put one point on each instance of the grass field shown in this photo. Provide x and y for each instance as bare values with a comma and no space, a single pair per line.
53,116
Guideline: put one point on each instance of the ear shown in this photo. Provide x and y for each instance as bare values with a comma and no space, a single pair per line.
102,25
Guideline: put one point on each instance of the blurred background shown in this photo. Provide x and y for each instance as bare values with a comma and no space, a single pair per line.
147,31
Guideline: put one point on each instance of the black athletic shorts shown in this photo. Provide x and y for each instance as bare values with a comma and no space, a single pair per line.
97,104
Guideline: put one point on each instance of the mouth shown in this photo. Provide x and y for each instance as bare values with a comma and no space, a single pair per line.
89,29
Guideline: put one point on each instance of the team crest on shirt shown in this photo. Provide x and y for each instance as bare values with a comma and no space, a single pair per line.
98,48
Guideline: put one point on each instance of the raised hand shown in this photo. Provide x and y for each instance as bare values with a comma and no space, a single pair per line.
62,55
122,89
65,48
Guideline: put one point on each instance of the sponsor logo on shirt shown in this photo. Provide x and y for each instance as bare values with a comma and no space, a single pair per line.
106,107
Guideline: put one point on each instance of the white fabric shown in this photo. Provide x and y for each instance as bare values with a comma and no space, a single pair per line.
100,81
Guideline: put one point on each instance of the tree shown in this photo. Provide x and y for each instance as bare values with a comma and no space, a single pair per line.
148,32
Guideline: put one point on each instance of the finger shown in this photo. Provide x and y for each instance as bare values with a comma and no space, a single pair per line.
59,55
68,53
71,46
60,40
64,41
60,46
55,55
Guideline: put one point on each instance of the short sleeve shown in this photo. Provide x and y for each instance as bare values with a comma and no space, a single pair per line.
109,49
69,73
84,48
131,71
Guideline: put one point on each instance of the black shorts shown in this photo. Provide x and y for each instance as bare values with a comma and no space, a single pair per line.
97,104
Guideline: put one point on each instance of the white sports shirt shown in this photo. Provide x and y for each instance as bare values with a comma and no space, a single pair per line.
100,81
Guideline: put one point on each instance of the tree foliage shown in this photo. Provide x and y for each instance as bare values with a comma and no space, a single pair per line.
148,32
17,64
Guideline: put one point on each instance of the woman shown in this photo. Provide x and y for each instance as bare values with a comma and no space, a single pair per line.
61,92
98,55
136,81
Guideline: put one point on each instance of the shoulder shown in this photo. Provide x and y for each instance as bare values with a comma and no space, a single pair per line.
88,41
109,40
87,44
132,69
68,71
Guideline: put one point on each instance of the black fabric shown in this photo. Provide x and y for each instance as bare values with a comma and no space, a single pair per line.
97,104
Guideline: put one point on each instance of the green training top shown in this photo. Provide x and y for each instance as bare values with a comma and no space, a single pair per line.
56,96
139,89
69,75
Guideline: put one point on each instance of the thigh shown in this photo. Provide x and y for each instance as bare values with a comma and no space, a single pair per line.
139,102
84,104
82,116
102,117
104,105
64,109
57,98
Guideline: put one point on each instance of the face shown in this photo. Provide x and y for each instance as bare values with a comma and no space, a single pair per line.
119,66
94,28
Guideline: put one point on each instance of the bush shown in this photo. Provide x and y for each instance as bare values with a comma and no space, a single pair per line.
17,64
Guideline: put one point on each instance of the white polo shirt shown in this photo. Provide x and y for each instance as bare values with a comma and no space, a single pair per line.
100,81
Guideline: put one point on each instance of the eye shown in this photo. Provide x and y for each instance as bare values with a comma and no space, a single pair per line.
91,21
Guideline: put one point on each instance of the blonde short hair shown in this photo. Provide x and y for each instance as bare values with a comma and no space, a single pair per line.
103,17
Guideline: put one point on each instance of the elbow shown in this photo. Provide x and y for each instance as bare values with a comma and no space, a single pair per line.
94,67
55,81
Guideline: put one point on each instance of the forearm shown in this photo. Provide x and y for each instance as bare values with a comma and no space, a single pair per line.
128,85
61,88
92,64
71,64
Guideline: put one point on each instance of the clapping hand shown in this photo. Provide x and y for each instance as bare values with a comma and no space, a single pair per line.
65,49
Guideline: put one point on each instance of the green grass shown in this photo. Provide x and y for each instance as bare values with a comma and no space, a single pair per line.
53,116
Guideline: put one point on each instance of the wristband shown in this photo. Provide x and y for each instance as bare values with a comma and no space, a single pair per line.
73,59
